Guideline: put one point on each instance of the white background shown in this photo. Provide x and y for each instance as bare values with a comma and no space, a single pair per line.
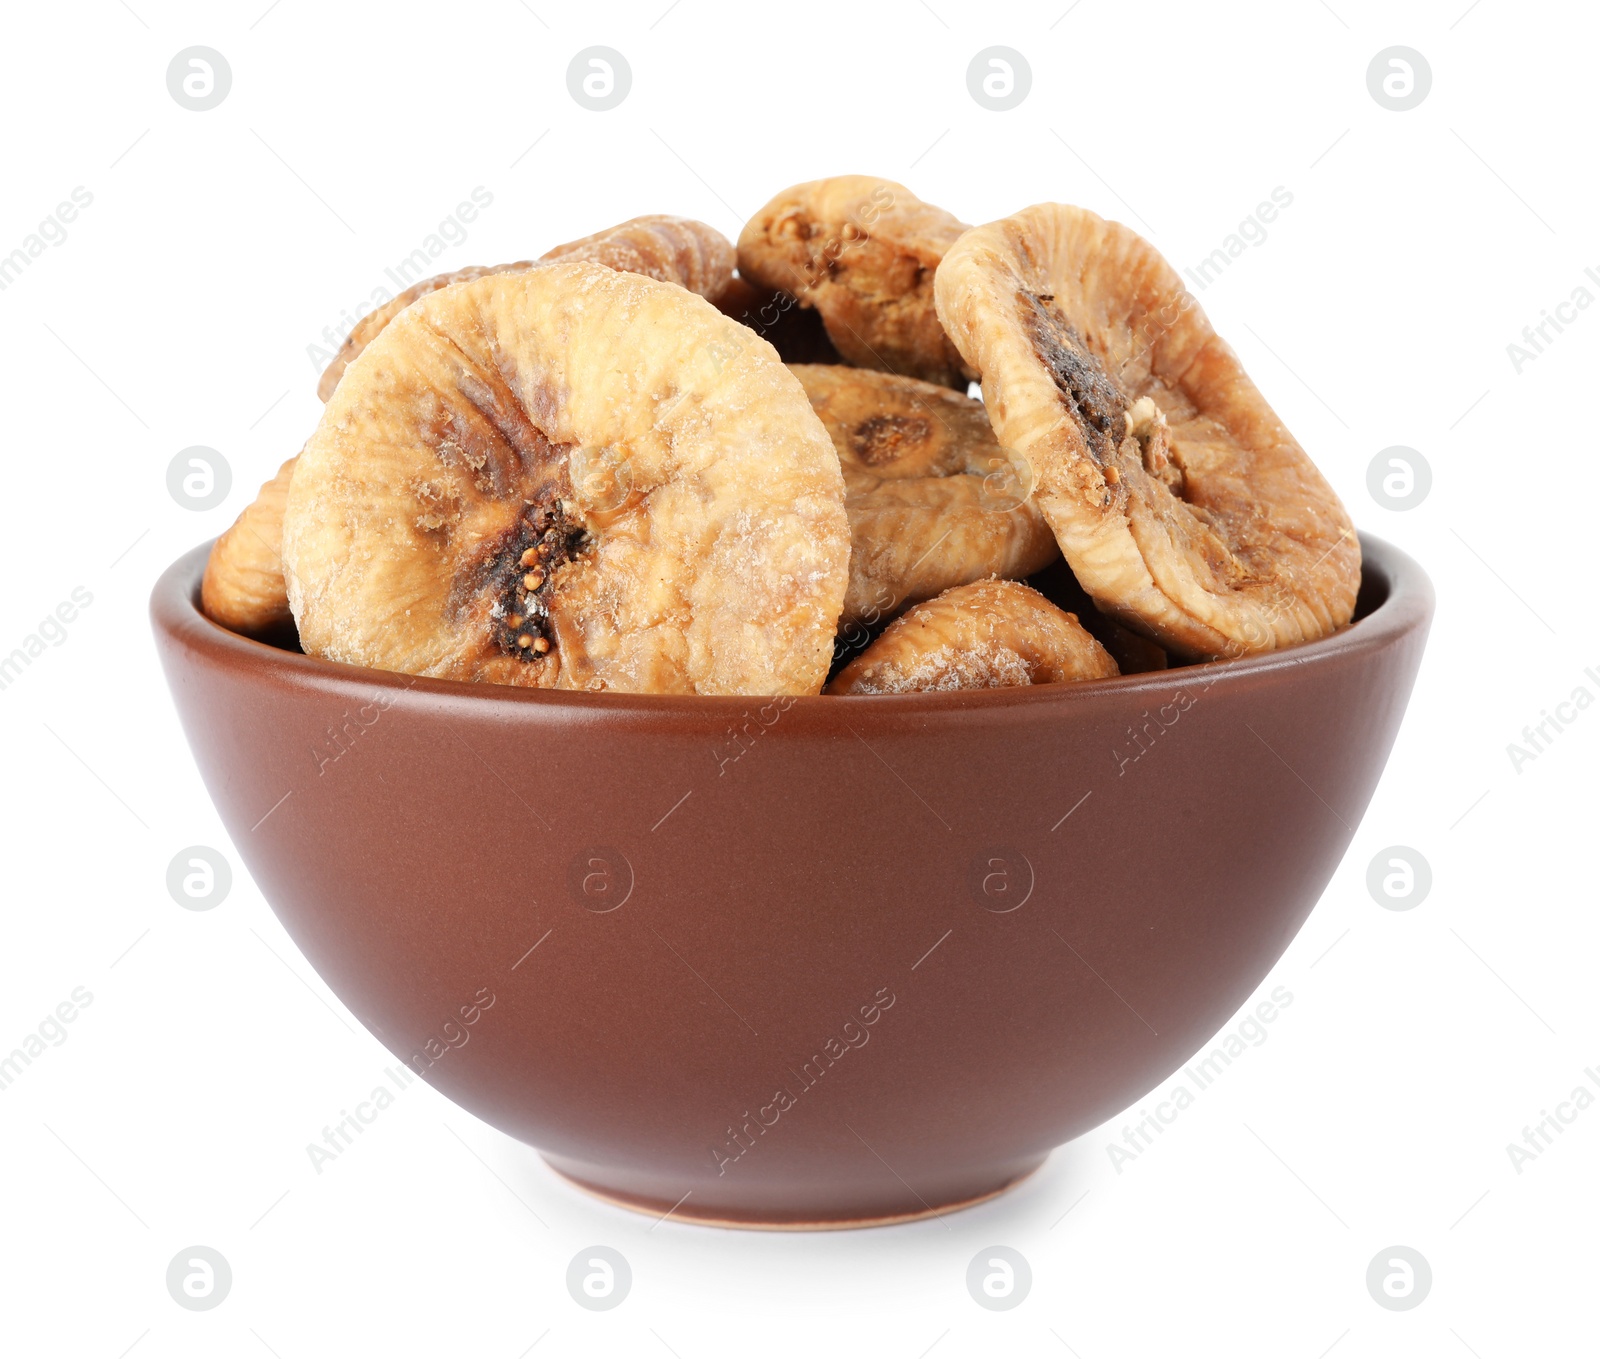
179,311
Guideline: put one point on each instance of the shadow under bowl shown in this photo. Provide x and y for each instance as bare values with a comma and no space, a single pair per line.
795,962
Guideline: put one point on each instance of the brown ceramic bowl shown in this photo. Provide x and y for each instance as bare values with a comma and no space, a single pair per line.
815,962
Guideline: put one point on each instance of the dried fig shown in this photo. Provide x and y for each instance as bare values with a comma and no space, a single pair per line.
367,328
1182,504
862,251
933,500
243,587
571,477
988,635
672,249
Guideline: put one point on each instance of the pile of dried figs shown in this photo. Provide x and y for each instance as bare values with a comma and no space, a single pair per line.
653,462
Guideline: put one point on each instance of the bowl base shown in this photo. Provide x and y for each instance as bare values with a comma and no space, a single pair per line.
756,1221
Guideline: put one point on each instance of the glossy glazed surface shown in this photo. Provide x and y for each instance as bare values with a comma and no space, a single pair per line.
809,961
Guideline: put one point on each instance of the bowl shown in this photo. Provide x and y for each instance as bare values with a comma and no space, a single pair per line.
795,962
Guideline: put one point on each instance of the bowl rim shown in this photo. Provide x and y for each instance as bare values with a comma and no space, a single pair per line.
175,614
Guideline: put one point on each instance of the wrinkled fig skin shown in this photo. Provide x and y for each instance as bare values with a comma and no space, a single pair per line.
367,328
570,477
862,252
988,635
933,500
671,249
1180,501
243,587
